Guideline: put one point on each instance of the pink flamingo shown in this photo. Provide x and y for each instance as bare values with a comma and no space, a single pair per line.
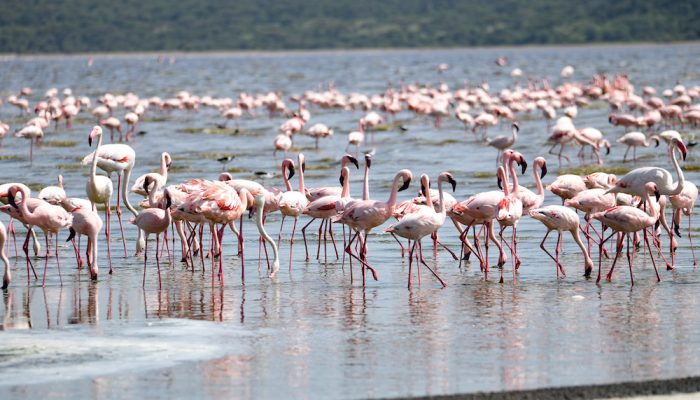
684,202
356,138
625,220
501,143
86,222
53,194
510,210
32,133
292,202
635,139
154,221
283,142
529,199
112,123
567,186
4,193
426,221
634,182
162,175
324,208
316,193
49,218
119,158
364,215
561,219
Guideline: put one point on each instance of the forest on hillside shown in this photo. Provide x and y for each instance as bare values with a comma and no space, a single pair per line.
49,26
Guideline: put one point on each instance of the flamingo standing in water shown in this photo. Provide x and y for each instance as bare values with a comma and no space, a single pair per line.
364,215
154,220
534,200
684,202
560,219
85,222
32,133
119,158
53,194
510,210
635,139
293,202
501,143
162,175
625,220
49,218
424,222
7,276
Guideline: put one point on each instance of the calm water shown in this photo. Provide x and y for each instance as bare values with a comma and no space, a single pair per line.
310,333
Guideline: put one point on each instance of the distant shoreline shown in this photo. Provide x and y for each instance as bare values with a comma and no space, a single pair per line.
280,52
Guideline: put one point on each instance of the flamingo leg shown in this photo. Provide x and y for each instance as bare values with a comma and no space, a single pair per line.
291,242
46,262
601,245
58,264
330,232
410,263
620,244
108,234
422,260
119,212
690,238
646,240
548,253
629,259
400,244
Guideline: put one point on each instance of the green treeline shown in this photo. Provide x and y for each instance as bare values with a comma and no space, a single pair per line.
33,26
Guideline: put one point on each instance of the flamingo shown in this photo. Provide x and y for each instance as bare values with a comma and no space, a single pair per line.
510,208
293,202
634,182
316,193
425,221
320,131
501,143
154,220
53,194
112,123
131,119
49,218
561,219
119,158
635,139
626,220
162,175
4,190
364,215
85,222
355,138
684,202
324,208
32,133
7,276
282,143
529,199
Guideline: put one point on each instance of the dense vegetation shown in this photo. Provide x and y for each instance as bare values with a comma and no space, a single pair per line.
30,26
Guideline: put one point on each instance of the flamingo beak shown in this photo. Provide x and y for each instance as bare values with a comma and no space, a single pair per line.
657,195
303,167
516,126
167,166
543,171
368,160
453,182
500,184
676,229
11,199
71,236
523,164
146,184
291,172
168,200
607,151
353,160
405,185
342,180
90,140
423,191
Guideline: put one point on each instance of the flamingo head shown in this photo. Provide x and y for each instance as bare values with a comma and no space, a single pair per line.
168,161
543,166
681,147
425,185
147,183
368,159
348,158
517,157
225,176
406,175
96,131
516,127
168,199
302,162
446,176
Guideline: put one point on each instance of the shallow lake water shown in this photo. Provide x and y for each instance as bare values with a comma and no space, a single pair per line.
310,332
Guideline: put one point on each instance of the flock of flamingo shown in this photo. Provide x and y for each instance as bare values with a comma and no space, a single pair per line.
631,207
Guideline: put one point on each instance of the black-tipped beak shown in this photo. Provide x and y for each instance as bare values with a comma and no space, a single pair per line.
303,166
516,126
684,154
146,184
168,200
405,185
368,161
90,141
342,180
500,184
291,172
657,142
607,151
167,166
657,195
453,182
423,191
71,235
523,164
656,225
354,161
543,171
676,229
11,199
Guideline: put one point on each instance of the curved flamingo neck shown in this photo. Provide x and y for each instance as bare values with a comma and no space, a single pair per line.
681,179
428,197
394,193
244,194
514,174
23,208
287,185
652,210
345,193
301,178
152,194
163,166
538,182
440,196
365,184
579,242
93,166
